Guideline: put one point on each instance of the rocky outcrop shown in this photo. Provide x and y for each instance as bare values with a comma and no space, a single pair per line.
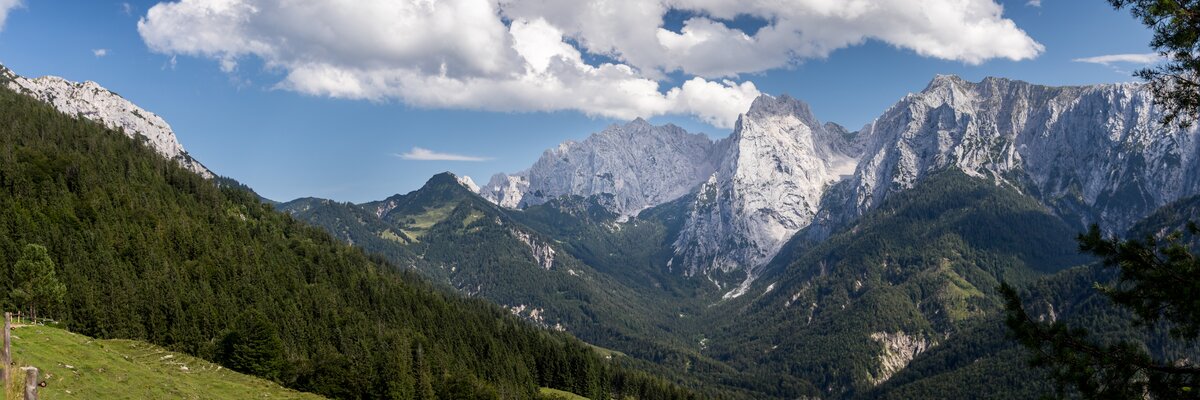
542,253
899,349
94,102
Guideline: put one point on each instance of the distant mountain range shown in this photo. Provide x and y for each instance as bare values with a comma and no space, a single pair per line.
794,258
778,247
1090,154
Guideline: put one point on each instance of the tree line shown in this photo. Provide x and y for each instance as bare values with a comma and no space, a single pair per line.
143,249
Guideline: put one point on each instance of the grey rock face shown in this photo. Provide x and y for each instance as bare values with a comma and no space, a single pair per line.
1092,154
768,185
631,167
94,102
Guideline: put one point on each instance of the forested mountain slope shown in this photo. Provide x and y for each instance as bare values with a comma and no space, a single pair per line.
151,251
847,314
903,231
566,265
984,362
91,101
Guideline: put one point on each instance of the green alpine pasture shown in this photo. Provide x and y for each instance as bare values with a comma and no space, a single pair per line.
75,366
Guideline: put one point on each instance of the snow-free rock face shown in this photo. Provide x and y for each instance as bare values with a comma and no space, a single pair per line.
628,167
541,252
899,349
752,191
1093,154
468,183
90,100
506,190
768,185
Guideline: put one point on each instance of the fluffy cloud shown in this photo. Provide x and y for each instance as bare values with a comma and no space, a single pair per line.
970,31
5,7
536,55
423,154
1110,59
99,52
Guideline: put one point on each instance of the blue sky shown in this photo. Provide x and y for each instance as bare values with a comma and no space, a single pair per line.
288,143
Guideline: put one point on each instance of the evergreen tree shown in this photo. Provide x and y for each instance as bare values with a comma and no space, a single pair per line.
1158,284
424,378
253,347
37,287
153,252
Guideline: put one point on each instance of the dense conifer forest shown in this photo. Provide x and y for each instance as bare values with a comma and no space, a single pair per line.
150,251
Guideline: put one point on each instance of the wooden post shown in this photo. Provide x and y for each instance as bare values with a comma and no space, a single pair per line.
6,352
31,383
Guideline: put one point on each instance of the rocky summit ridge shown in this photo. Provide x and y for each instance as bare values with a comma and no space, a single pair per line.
1091,154
94,102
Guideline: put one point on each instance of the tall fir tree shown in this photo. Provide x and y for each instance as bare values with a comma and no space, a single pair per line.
37,288
254,347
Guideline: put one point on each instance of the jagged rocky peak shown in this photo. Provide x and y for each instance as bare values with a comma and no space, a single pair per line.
1092,154
1089,153
468,183
834,129
942,81
770,178
94,102
783,105
506,190
630,167
845,141
829,137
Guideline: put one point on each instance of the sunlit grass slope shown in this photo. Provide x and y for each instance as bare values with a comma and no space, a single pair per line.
79,367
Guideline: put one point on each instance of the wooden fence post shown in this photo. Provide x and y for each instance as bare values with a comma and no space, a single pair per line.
6,352
31,383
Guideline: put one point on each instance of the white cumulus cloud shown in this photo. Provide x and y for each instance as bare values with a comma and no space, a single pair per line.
5,7
970,31
423,154
1110,59
99,52
537,55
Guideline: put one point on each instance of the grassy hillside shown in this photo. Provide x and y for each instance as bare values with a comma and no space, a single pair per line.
150,251
79,367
